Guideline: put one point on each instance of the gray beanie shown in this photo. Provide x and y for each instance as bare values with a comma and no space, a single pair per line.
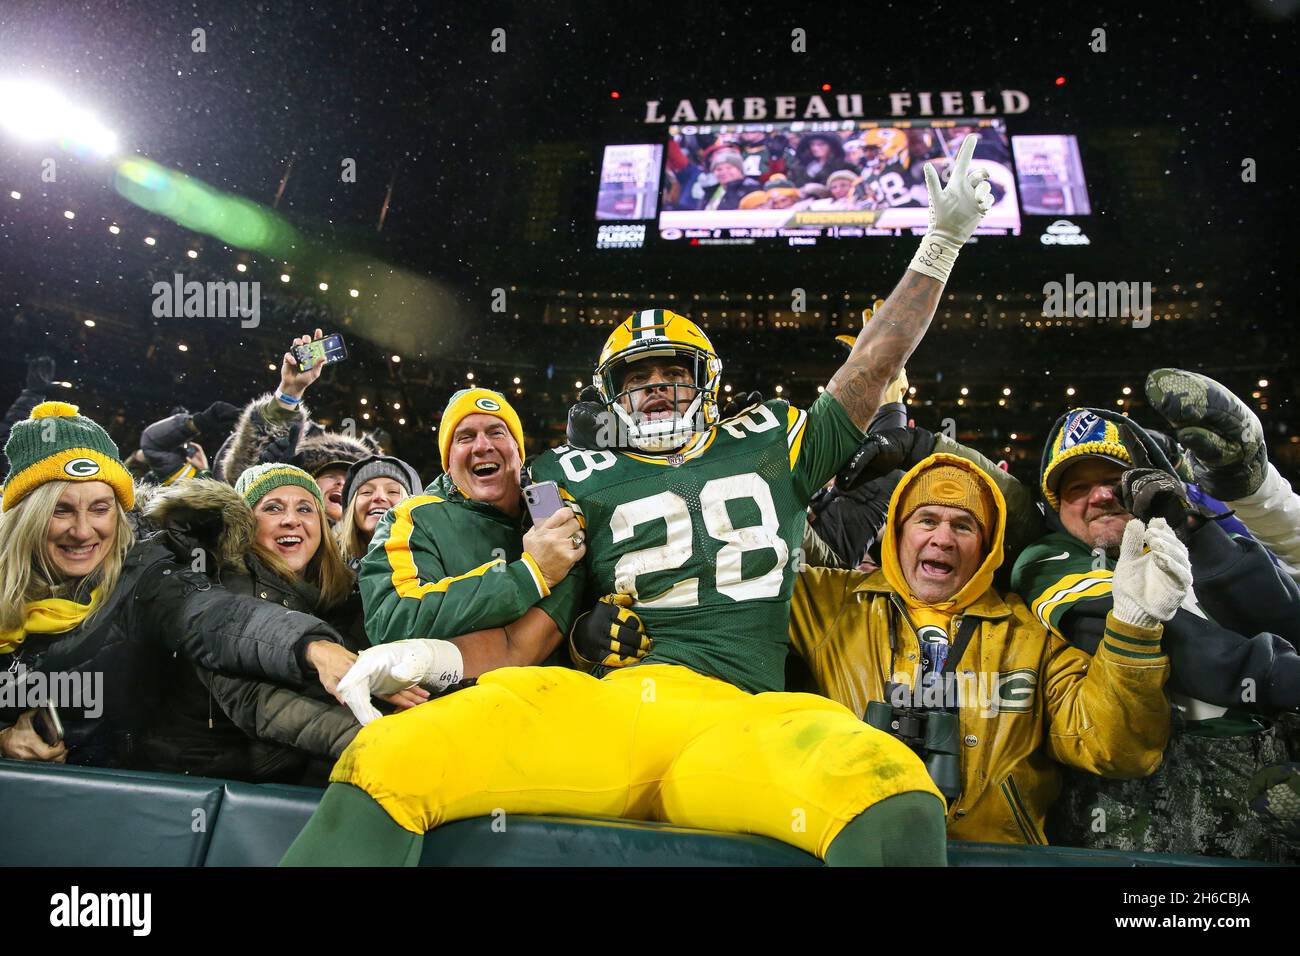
379,466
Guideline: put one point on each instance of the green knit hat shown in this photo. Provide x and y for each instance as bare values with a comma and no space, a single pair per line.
256,482
57,443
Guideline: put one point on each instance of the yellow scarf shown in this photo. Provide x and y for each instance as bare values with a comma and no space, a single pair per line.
48,616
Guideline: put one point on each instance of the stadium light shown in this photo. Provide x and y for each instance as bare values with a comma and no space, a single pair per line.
1126,390
240,267
401,421
364,401
965,390
15,194
517,380
183,347
114,229
324,287
1013,436
69,214
397,358
150,241
1070,390
284,277
1263,383
469,376
89,323
34,113
353,292
191,253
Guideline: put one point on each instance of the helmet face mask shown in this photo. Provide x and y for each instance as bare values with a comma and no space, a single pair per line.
663,335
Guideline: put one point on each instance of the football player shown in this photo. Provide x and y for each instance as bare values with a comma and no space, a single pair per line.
695,519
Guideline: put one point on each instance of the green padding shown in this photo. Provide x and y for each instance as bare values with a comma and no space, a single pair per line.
564,841
258,822
961,853
79,816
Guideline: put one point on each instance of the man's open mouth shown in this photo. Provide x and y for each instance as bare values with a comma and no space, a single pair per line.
485,469
656,409
937,569
335,497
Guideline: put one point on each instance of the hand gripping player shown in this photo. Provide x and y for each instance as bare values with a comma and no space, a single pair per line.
694,519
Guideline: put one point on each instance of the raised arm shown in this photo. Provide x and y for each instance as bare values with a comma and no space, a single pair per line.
888,340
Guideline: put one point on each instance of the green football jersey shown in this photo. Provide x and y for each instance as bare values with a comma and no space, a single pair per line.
706,540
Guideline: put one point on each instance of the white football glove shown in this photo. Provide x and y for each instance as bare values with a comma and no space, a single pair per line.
388,668
955,211
1148,587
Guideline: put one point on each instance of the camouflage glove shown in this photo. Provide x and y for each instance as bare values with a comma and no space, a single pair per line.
1223,437
610,634
1274,793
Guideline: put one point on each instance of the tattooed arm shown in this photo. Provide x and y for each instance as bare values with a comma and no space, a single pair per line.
887,341
885,345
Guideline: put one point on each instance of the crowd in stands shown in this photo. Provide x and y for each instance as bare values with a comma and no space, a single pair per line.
247,583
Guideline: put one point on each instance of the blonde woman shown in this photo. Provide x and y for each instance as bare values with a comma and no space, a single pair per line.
96,620
372,487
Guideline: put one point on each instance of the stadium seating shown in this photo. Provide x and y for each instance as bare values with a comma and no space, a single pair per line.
80,816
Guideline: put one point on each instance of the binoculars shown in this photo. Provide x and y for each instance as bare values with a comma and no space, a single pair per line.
934,735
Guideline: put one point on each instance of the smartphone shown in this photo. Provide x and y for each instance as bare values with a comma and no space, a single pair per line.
320,351
48,725
543,500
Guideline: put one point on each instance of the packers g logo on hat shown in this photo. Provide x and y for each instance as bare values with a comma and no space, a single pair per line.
81,467
487,404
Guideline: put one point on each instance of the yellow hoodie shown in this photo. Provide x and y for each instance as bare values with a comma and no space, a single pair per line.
1026,699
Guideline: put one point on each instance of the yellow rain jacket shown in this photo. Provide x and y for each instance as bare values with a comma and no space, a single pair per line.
1025,698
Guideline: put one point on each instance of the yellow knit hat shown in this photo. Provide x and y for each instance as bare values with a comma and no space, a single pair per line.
953,487
476,401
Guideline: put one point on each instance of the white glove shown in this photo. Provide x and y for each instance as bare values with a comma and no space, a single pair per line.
955,211
1148,587
388,668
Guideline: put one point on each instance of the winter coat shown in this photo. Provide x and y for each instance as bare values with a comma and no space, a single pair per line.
267,431
168,612
441,565
304,717
1027,698
1231,645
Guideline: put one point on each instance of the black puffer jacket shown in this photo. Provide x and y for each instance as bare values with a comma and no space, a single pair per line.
238,709
168,612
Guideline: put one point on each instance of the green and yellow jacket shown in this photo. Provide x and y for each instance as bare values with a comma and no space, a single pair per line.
441,565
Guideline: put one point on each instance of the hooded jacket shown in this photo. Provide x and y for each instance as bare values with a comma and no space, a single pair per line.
264,423
1231,645
242,708
1024,697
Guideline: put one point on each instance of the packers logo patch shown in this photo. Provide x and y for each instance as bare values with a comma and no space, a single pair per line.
948,490
487,404
1015,691
81,467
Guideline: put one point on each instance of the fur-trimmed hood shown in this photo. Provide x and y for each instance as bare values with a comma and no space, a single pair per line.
209,511
318,448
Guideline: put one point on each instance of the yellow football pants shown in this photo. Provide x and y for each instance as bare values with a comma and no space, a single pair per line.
651,742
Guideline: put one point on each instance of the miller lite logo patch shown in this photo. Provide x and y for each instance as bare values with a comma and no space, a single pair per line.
1082,427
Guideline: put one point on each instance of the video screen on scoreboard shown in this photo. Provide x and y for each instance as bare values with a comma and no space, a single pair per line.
629,182
800,182
1051,175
